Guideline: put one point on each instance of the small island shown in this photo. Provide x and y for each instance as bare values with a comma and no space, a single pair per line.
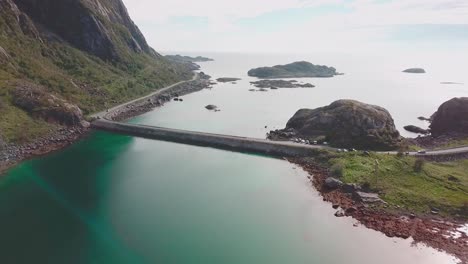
228,79
180,58
274,84
300,69
415,70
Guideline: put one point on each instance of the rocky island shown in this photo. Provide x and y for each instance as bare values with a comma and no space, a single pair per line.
180,58
281,84
228,79
345,124
300,69
187,61
415,70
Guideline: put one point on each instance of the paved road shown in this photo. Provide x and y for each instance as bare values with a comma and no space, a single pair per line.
159,91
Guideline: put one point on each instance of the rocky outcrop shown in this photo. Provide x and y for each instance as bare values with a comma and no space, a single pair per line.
180,58
416,129
415,70
102,28
227,79
41,104
275,84
345,124
298,69
451,117
332,183
4,57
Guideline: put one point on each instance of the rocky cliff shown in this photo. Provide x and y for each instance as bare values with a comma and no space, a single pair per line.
63,59
451,118
100,27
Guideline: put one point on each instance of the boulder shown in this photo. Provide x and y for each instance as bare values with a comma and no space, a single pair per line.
345,124
417,130
415,70
36,100
332,183
451,117
367,197
340,213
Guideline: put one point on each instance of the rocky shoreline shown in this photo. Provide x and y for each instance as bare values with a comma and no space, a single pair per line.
433,231
12,154
148,104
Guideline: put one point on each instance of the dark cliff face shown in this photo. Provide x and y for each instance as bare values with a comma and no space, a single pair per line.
100,27
61,60
451,117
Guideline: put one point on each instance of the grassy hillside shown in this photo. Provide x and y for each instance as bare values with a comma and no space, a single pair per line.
90,82
413,184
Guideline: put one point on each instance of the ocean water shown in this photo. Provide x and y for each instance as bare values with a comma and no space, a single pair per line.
119,199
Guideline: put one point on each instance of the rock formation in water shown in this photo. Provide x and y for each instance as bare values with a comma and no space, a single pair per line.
274,84
181,58
416,129
344,123
451,117
298,69
228,79
415,70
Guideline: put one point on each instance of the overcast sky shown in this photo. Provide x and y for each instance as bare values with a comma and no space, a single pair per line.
302,25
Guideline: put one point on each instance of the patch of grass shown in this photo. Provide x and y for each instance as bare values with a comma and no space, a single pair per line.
438,185
17,126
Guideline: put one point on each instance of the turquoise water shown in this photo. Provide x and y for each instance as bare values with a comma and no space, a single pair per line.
118,199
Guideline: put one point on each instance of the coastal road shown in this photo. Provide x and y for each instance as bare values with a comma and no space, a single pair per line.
103,114
235,143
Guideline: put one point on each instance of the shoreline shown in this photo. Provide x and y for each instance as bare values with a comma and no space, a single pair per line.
392,224
435,232
12,155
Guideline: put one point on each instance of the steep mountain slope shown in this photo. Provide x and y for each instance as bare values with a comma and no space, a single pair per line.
62,59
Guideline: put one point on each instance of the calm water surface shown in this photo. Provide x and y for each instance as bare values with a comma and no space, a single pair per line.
117,199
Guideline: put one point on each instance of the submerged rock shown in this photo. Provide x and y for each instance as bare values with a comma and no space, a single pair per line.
211,107
345,124
451,117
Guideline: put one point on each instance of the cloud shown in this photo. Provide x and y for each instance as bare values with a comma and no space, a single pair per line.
267,25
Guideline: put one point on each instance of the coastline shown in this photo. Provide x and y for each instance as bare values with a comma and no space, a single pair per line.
397,224
432,231
12,154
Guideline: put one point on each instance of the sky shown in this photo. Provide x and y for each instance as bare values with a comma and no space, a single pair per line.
302,25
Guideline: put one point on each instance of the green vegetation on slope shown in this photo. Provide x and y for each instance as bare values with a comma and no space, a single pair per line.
440,185
91,83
